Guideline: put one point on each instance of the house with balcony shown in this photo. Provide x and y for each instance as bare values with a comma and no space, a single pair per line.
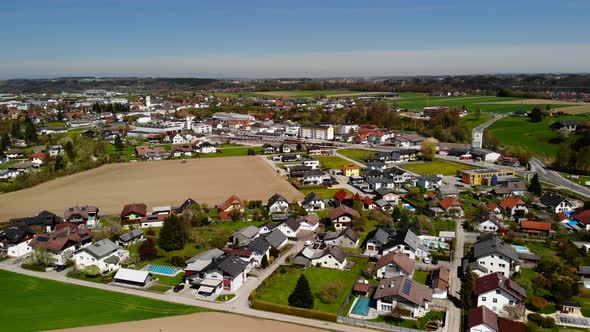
405,293
104,254
87,215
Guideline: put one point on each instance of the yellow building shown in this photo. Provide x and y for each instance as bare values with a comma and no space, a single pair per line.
477,176
351,170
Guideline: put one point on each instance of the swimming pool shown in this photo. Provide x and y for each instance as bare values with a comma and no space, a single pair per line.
409,207
361,307
162,269
520,248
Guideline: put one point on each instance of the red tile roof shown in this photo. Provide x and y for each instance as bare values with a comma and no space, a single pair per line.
449,202
361,287
535,225
342,210
399,258
511,202
233,199
583,217
343,195
482,315
498,281
507,325
135,208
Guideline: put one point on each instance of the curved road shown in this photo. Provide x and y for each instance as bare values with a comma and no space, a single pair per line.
553,177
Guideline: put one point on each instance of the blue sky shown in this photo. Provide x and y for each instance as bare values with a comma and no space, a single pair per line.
292,38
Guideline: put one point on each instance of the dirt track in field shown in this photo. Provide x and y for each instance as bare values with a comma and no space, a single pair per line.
207,321
155,183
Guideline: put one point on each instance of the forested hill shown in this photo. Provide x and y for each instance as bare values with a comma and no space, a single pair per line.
80,84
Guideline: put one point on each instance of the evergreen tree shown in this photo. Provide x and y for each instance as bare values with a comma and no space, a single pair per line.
536,115
535,185
119,143
301,296
397,213
172,234
468,290
404,223
15,130
264,262
30,131
60,115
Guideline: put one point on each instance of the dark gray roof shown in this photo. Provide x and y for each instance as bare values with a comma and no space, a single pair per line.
584,270
247,232
206,255
382,235
293,223
300,260
310,198
275,198
494,245
101,248
552,199
351,234
231,264
337,253
129,236
14,234
114,259
275,238
259,245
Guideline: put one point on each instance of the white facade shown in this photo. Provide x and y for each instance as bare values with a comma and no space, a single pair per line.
409,251
487,226
308,226
495,300
314,164
328,261
83,259
496,263
342,222
481,328
318,132
279,207
19,249
386,304
287,230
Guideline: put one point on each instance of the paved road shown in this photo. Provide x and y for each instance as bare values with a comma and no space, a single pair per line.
477,132
553,177
240,305
453,321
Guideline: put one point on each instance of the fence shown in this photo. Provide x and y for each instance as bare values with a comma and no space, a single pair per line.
380,326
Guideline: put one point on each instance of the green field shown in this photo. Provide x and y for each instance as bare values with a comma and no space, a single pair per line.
311,93
417,102
435,167
231,152
278,287
536,138
332,162
33,304
359,155
325,193
420,276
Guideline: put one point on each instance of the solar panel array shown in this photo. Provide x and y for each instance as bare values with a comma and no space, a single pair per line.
407,286
42,238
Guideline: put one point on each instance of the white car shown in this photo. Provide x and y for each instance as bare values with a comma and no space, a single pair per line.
308,243
426,260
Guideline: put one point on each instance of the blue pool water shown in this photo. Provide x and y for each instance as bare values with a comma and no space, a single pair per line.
409,207
520,248
162,269
361,307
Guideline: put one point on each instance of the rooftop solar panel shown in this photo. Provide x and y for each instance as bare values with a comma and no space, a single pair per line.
407,286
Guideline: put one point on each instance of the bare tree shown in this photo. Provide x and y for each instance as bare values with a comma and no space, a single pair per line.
513,312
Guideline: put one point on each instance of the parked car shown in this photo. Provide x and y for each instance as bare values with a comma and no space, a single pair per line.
59,268
178,288
434,261
426,260
308,243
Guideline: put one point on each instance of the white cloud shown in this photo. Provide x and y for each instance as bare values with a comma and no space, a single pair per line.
505,59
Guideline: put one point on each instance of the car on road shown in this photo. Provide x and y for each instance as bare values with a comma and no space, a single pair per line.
178,288
59,268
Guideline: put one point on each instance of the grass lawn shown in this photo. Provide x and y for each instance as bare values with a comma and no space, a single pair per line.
435,167
170,281
332,162
584,299
56,124
359,155
278,287
233,151
33,304
310,93
443,225
325,193
420,276
128,151
472,121
9,163
537,138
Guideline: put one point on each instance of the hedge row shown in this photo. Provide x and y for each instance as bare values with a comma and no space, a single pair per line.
33,267
293,311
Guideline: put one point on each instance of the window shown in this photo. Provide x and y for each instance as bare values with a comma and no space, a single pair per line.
511,302
483,298
495,300
498,291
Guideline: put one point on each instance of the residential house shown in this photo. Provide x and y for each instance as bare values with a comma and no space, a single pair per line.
496,291
568,126
405,293
104,254
269,149
61,244
491,255
15,154
452,207
583,218
380,182
512,188
267,228
314,177
187,205
130,238
245,235
276,239
133,213
513,205
55,151
343,217
489,223
290,227
44,222
429,182
537,228
584,273
153,220
309,222
351,170
230,206
38,158
321,255
254,251
482,319
205,147
181,150
14,241
407,140
387,195
277,204
394,264
87,215
227,273
378,240
312,163
346,238
439,282
409,244
556,202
